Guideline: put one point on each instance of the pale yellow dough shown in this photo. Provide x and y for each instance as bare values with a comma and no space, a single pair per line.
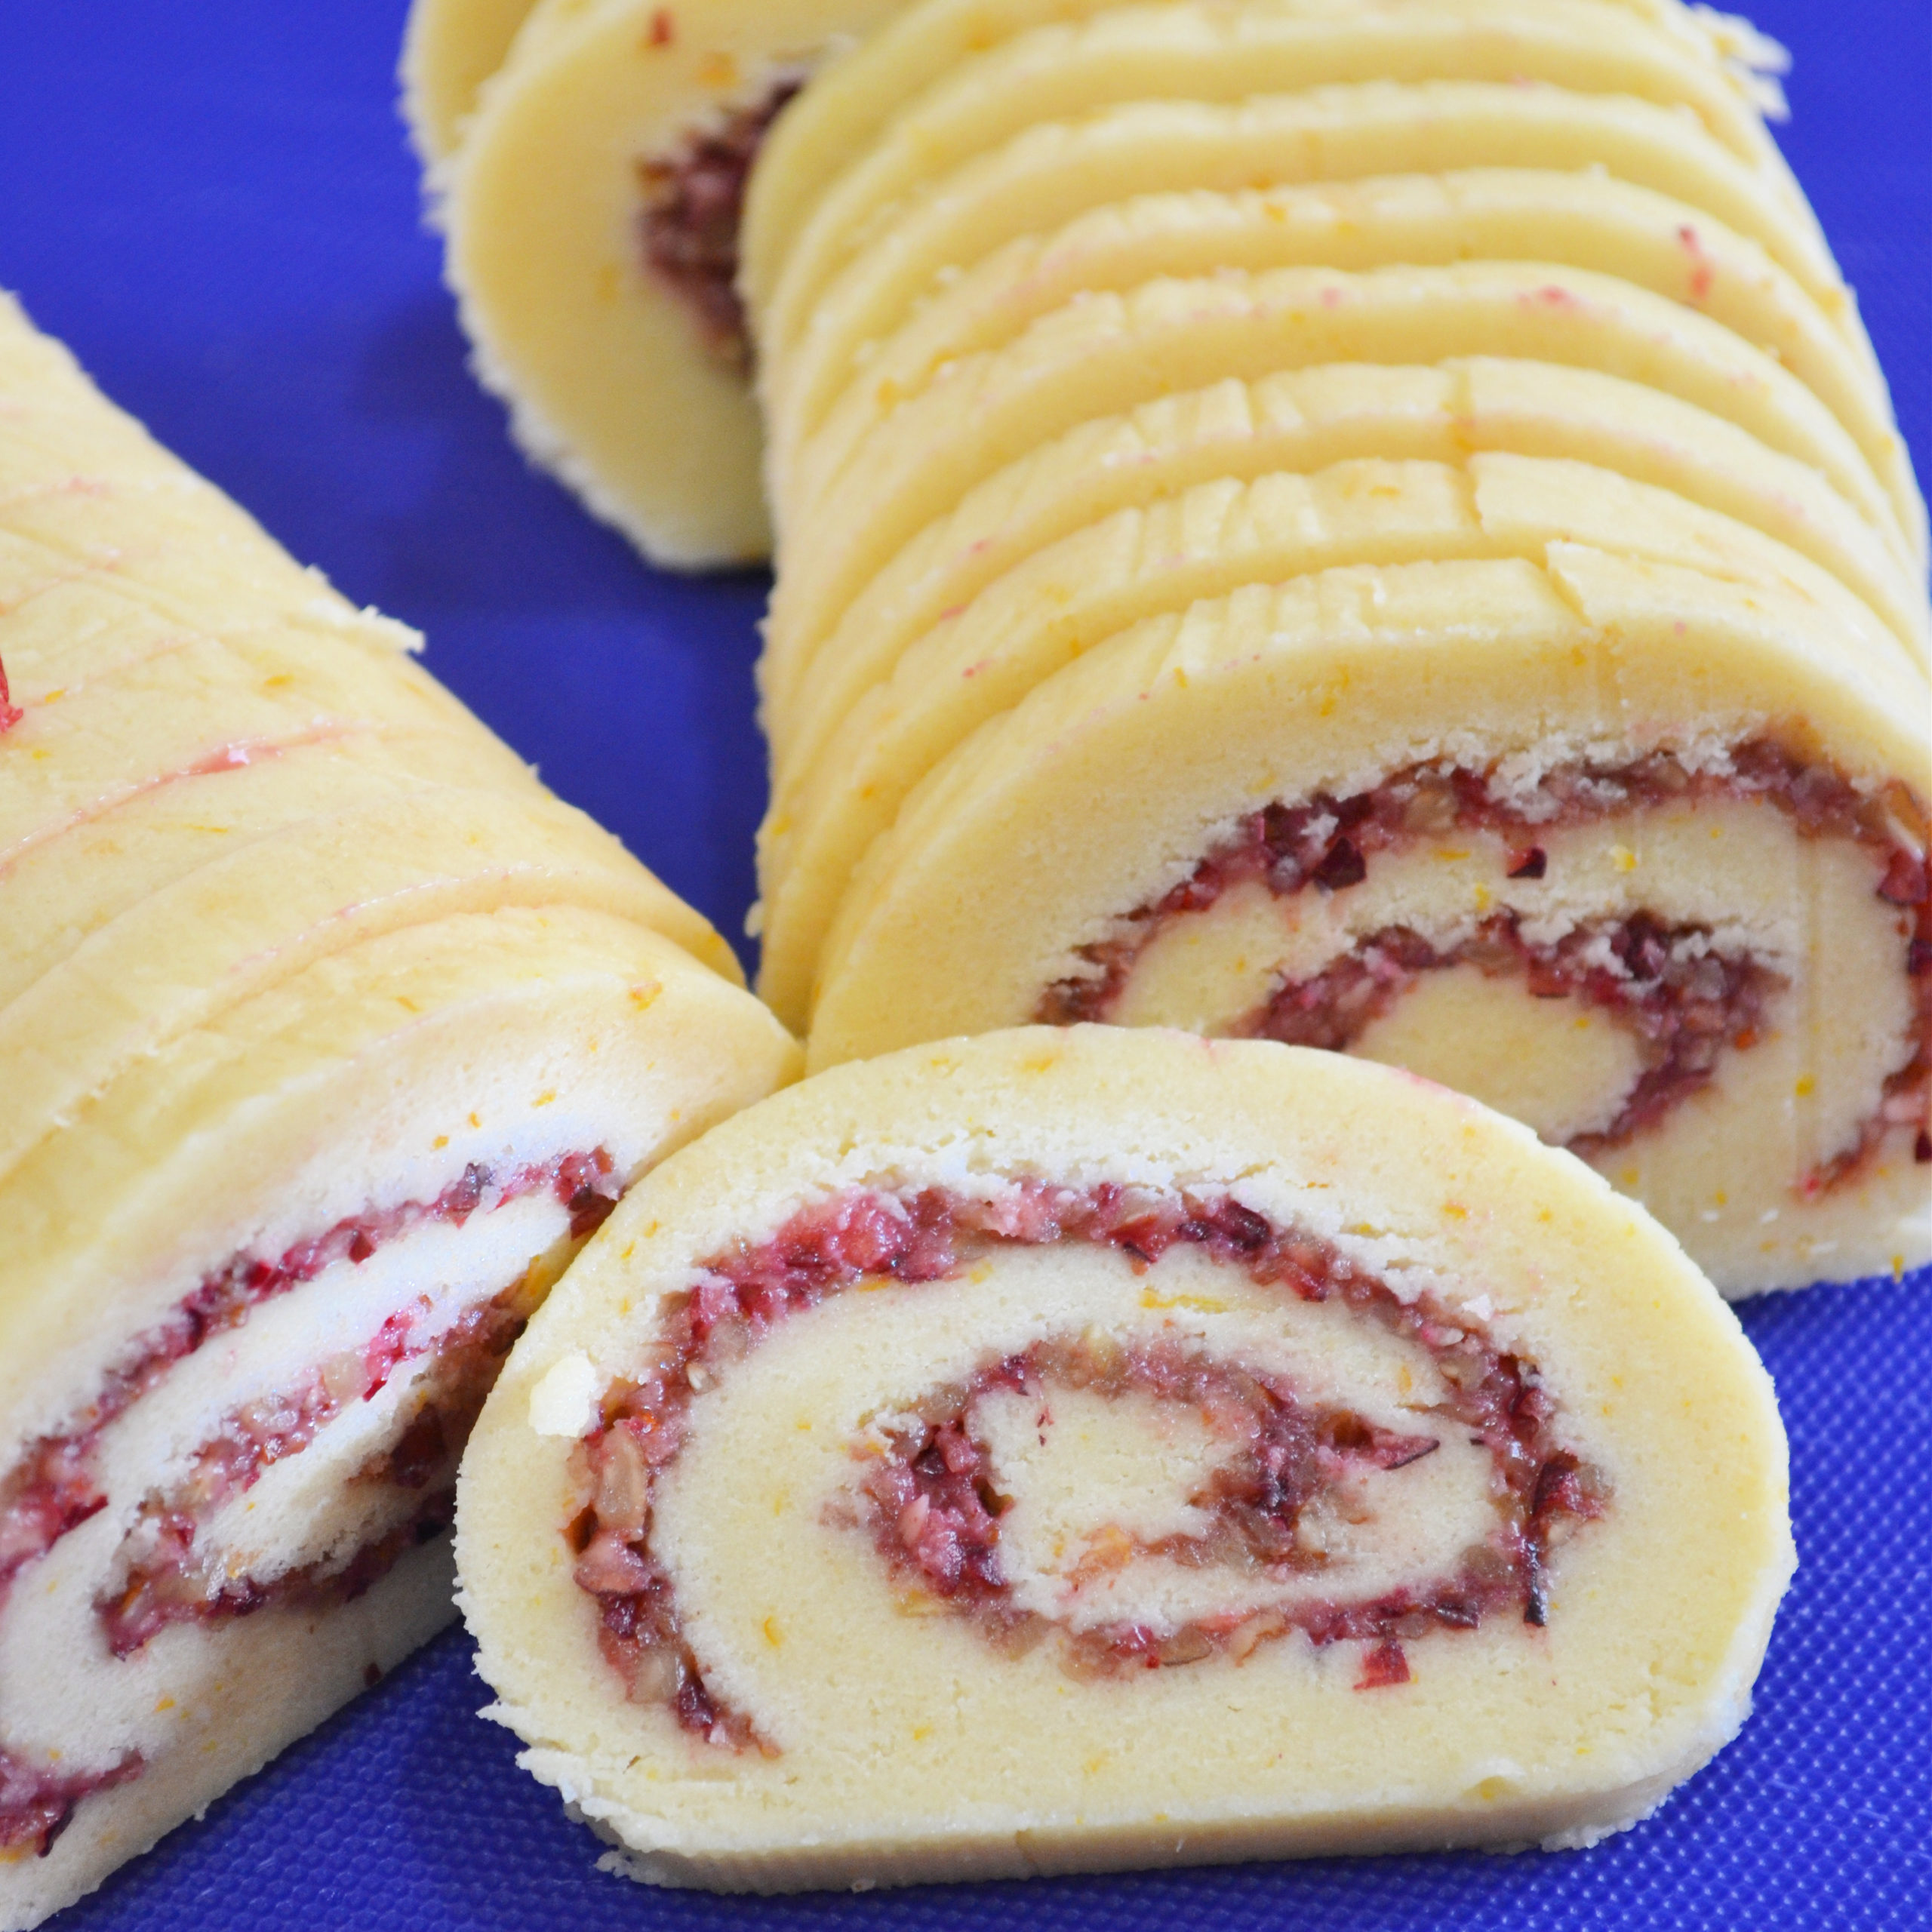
287,941
859,91
608,379
1107,353
1305,420
449,48
1102,787
860,354
902,1746
1217,538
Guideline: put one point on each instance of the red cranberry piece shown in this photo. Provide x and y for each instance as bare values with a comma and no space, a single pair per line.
1383,1666
11,714
1904,881
1344,866
1532,864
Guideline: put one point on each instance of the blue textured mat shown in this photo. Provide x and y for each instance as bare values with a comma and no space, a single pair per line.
214,204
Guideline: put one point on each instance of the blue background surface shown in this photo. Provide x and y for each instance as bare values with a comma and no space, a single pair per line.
212,202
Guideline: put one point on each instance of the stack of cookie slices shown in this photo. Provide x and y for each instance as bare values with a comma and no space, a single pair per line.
1372,527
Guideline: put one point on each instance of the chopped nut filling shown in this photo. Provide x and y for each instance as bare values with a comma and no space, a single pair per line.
934,1510
55,1485
1684,998
935,1507
167,1580
694,200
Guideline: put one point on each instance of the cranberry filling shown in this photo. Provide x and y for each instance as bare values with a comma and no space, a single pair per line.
1684,1002
694,199
935,1509
168,1580
37,1802
52,1488
11,713
935,1513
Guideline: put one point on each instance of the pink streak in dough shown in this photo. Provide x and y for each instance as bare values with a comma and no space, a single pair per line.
933,1517
236,757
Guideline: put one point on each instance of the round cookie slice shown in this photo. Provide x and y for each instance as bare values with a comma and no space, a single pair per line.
1217,538
1635,854
977,1463
592,217
1301,420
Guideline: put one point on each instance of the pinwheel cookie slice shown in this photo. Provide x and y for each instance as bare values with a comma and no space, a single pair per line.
1634,853
326,1036
977,1461
592,212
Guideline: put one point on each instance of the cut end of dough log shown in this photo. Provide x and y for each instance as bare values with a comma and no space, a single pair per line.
1002,1447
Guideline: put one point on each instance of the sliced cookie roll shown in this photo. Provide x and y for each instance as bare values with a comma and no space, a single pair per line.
977,1461
326,1035
1101,354
858,92
256,1290
1302,420
592,211
1214,539
1658,241
1634,853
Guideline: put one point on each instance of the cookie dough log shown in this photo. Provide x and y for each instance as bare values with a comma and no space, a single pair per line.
592,214
1633,853
860,92
326,1035
1107,352
1212,540
978,1462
